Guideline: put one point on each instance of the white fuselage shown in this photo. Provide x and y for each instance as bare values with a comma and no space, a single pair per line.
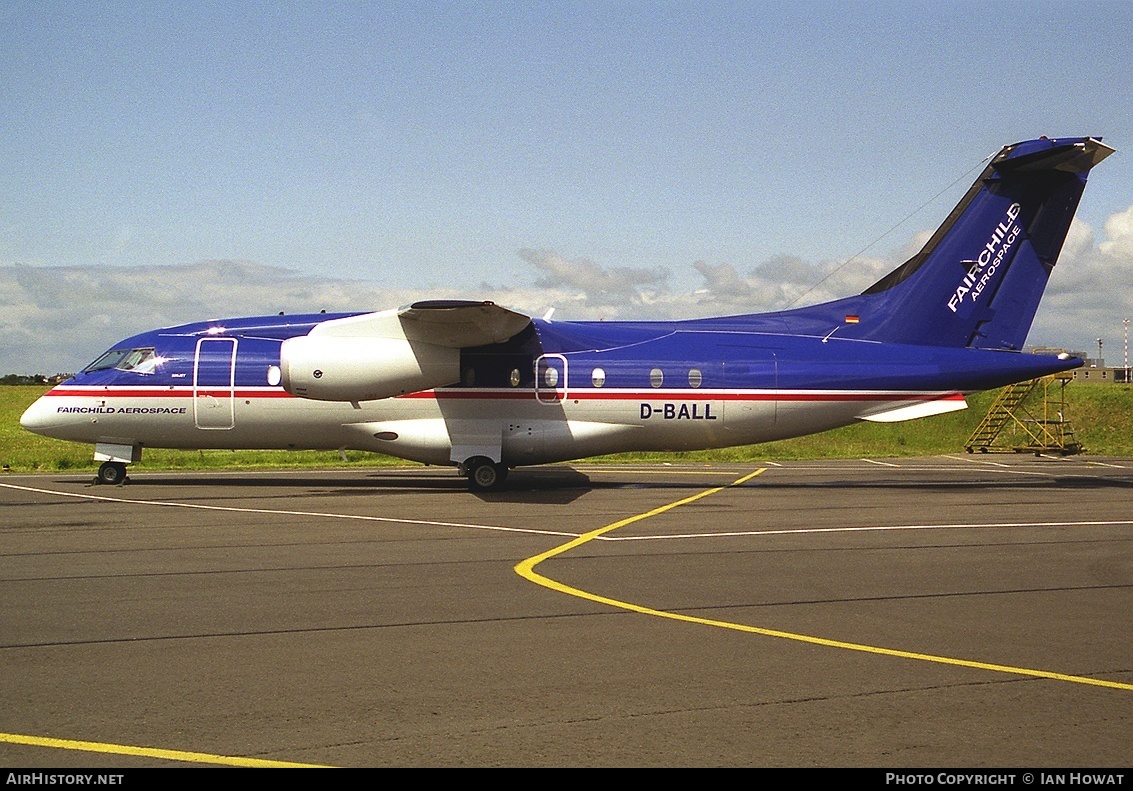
512,426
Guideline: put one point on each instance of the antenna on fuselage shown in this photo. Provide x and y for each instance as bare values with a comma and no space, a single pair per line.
899,223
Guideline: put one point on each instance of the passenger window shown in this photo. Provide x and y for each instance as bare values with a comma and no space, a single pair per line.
598,377
656,377
694,377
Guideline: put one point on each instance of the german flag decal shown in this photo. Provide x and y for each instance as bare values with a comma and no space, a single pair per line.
852,319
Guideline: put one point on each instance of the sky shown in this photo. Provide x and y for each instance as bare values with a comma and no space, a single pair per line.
170,162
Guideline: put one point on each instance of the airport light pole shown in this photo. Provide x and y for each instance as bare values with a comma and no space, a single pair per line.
1126,324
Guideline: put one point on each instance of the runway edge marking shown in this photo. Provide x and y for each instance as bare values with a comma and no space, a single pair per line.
526,569
317,514
153,752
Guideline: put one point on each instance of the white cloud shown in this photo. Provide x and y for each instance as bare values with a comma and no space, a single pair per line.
58,318
595,285
1090,290
1119,235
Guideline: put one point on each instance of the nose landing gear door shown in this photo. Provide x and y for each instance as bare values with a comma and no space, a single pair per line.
214,383
550,379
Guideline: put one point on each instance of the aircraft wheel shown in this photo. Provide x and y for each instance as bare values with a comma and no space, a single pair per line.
111,473
484,475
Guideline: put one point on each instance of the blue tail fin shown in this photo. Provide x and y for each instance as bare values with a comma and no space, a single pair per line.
979,279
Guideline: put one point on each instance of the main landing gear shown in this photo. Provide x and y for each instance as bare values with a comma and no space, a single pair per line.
111,473
484,475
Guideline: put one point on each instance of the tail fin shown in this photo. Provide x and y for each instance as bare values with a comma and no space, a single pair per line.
979,279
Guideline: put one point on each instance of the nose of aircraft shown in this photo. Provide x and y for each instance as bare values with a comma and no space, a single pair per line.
38,418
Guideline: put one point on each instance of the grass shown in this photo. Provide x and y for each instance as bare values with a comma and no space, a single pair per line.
1102,416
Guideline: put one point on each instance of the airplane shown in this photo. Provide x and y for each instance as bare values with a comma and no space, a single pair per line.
484,388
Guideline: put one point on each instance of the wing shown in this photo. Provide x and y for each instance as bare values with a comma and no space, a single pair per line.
393,352
456,324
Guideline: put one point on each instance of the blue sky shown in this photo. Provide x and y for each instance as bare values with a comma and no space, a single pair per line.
498,149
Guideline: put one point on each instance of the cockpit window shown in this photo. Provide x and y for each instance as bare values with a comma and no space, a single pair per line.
141,361
108,360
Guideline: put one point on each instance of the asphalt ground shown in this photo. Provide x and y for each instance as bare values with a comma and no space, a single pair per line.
952,611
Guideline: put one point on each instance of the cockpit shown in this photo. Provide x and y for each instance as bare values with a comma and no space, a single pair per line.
139,361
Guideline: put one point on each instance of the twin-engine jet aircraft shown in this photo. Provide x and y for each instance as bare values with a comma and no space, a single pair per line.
483,388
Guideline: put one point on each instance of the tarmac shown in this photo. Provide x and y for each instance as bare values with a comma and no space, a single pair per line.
953,611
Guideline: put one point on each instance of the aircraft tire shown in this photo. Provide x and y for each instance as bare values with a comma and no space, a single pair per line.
484,475
111,473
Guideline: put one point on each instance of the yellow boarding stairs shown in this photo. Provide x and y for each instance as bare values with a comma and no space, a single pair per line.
1036,424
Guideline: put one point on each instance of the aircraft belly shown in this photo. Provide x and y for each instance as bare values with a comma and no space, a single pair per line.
425,440
572,439
520,430
448,427
800,414
611,422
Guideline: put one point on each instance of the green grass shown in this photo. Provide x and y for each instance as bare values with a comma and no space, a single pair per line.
1102,416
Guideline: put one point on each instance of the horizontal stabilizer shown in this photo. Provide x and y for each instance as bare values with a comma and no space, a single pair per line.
918,410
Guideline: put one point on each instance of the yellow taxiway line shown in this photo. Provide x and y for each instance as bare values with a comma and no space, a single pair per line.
526,569
152,752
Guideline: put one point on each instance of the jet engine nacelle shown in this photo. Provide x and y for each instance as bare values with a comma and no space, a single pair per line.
329,368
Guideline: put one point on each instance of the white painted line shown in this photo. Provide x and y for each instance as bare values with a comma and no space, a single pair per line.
880,463
869,529
611,470
1060,459
316,514
230,472
1007,468
980,461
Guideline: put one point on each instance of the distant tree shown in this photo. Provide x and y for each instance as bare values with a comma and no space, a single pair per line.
24,379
